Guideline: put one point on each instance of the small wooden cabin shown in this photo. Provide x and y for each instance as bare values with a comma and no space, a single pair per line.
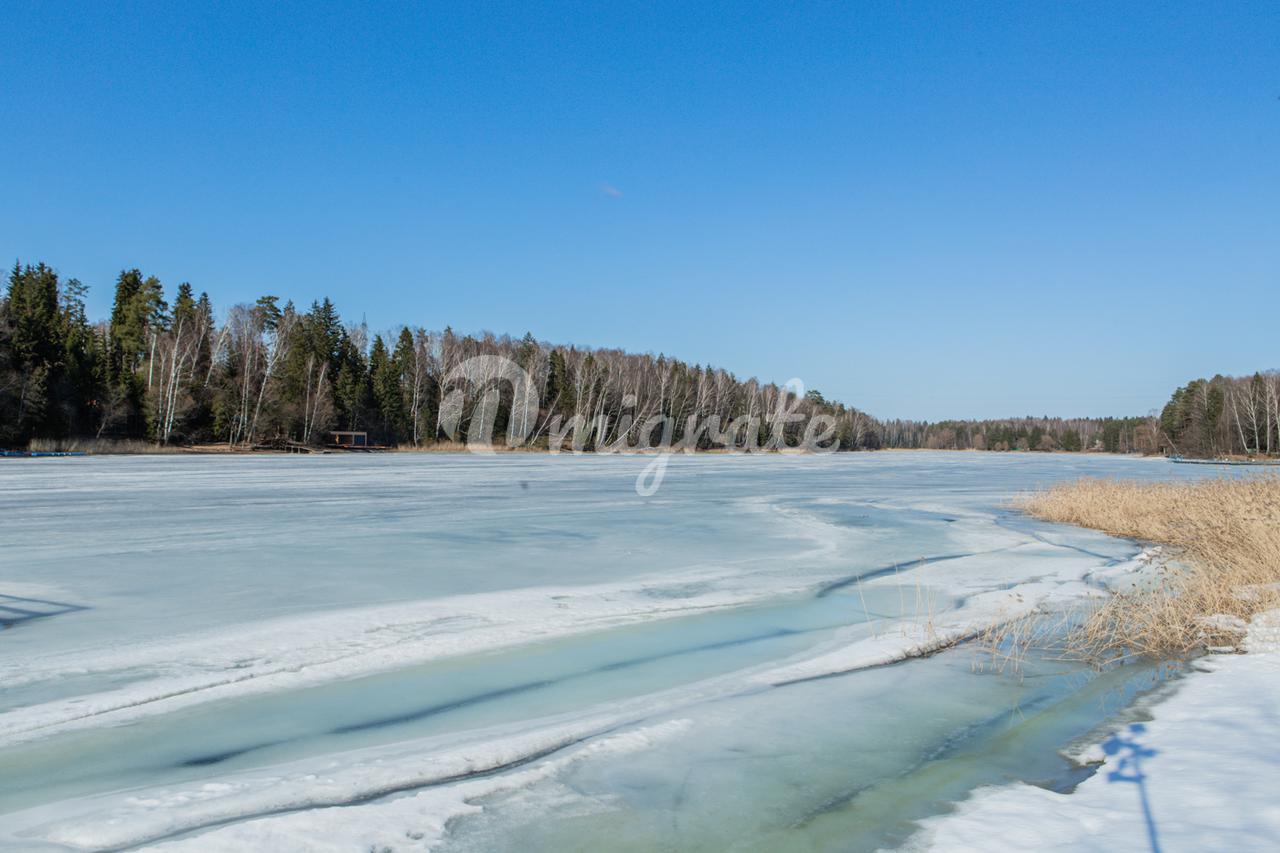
348,439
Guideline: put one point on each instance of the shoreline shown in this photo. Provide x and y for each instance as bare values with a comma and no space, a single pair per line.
455,448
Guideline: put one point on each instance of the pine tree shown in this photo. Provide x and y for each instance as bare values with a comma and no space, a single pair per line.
560,392
403,360
388,396
81,360
47,351
126,327
329,333
352,392
33,310
184,307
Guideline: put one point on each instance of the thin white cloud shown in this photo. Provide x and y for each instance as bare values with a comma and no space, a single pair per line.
611,191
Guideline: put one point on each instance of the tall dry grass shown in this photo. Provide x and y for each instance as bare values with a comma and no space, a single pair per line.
100,446
1225,540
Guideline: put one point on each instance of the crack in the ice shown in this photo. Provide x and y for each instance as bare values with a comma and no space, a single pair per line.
26,613
892,568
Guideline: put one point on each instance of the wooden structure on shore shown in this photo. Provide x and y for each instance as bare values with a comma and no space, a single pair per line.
352,440
349,440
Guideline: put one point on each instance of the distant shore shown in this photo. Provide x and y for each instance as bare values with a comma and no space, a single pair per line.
134,447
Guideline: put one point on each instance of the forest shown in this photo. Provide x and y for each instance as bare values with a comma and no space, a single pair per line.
268,374
271,373
1111,435
1206,418
1225,415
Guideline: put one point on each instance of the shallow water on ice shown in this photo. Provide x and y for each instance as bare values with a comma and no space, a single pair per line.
180,624
845,763
536,680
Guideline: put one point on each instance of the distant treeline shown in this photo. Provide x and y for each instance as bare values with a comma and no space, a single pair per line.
1206,418
1113,435
171,373
269,373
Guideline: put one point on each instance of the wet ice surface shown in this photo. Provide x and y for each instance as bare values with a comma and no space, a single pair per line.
520,651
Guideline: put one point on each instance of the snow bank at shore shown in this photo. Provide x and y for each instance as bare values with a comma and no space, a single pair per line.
1203,777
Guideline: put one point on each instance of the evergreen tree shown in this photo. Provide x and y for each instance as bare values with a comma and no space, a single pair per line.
388,397
33,310
403,361
81,360
329,333
48,354
184,307
560,392
127,326
352,392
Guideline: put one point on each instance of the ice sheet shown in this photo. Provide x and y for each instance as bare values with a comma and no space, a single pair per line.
270,627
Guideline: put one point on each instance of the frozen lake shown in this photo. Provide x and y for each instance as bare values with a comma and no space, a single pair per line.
520,652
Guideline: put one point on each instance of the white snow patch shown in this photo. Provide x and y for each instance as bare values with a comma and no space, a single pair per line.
1209,782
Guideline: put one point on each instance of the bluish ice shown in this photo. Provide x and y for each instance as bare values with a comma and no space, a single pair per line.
522,652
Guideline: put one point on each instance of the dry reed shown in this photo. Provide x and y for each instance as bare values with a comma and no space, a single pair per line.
1225,541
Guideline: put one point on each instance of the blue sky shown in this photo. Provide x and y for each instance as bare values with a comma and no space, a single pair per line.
925,210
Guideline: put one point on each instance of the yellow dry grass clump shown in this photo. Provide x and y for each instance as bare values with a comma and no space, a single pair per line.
1225,536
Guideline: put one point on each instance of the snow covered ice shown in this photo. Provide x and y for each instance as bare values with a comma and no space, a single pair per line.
436,651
